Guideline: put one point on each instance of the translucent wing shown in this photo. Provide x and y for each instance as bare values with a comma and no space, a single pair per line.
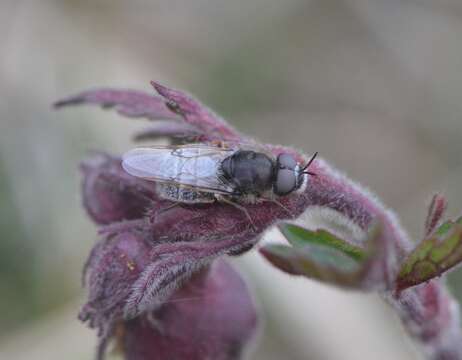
196,165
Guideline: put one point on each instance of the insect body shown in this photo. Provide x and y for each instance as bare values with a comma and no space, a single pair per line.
200,173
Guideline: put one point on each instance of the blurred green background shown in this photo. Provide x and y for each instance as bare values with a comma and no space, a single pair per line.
374,86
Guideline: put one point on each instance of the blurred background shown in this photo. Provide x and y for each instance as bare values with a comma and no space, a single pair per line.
374,86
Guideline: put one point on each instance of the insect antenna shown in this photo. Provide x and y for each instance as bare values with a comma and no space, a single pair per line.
308,165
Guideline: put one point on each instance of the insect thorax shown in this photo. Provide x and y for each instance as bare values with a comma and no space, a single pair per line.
249,172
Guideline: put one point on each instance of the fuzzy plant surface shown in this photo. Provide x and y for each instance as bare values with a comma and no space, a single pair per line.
151,257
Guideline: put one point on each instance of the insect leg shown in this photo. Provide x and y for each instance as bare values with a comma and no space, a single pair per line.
237,206
278,203
175,204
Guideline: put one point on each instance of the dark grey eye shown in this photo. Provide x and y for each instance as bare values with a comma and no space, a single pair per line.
286,161
285,182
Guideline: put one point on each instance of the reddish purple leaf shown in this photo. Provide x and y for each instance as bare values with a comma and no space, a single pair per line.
436,211
197,114
169,129
130,103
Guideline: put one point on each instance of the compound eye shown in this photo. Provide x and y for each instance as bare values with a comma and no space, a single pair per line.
285,182
286,161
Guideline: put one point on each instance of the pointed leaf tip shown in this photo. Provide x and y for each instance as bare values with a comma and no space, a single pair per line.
434,256
436,211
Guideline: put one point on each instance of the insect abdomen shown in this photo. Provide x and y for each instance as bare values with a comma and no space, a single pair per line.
178,193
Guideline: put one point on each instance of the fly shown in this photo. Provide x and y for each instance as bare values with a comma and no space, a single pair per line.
201,173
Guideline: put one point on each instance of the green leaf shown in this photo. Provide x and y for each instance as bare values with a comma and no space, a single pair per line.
317,262
299,237
321,255
433,256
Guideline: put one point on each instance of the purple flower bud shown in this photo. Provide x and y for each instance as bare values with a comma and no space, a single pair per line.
113,266
110,194
211,317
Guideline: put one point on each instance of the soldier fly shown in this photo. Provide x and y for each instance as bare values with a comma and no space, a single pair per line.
202,173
